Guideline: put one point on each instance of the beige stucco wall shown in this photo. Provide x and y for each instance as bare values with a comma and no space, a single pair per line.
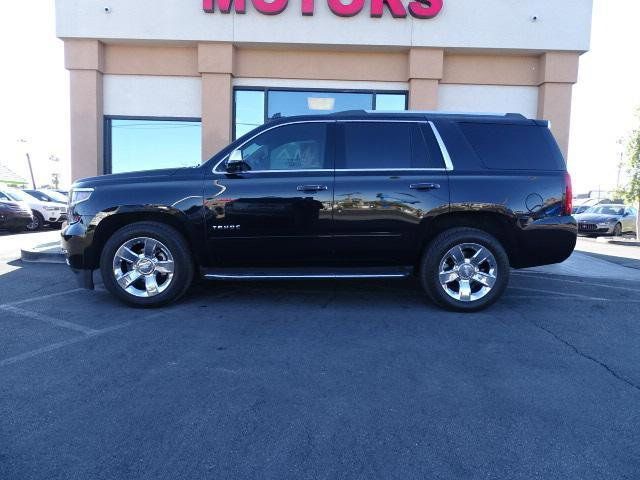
423,69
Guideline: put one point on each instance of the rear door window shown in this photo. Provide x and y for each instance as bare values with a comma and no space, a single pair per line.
514,147
388,145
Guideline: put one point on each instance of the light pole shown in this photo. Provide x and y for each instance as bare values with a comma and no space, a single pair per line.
33,180
620,143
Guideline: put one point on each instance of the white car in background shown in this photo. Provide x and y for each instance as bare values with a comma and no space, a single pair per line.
52,213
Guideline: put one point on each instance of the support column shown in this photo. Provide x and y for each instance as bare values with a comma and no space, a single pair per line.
558,73
84,60
425,72
215,63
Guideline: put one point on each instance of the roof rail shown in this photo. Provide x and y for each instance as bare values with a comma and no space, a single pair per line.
441,112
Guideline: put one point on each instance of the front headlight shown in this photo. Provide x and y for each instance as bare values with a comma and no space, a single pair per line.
79,195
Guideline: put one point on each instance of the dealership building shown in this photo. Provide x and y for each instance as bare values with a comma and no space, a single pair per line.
161,83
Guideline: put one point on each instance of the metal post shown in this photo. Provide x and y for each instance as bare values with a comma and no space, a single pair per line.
33,180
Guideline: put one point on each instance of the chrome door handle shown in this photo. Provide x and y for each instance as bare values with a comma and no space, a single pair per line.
312,188
424,186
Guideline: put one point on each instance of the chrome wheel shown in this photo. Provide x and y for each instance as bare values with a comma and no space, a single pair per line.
468,272
143,267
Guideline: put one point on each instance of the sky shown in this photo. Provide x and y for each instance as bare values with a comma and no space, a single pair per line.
35,93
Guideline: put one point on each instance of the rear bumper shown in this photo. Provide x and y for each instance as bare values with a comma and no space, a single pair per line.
545,241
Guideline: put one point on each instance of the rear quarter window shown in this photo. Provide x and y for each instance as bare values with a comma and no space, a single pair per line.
514,147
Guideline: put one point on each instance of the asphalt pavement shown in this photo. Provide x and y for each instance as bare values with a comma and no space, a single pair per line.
321,380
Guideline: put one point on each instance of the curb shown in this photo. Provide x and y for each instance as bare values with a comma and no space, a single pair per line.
626,244
46,253
612,241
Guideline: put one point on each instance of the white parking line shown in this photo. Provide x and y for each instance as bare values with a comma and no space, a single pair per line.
43,297
560,294
564,280
56,346
47,319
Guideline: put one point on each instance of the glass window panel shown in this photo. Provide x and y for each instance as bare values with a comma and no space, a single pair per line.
289,103
377,145
151,144
299,146
391,101
505,146
249,110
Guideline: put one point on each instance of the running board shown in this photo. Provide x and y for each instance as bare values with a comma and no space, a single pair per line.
306,272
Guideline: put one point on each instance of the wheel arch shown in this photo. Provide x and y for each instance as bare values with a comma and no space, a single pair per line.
499,225
113,221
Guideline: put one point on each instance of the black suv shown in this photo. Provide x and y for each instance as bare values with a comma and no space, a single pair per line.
454,199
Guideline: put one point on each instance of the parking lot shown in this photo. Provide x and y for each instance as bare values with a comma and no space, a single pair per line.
313,380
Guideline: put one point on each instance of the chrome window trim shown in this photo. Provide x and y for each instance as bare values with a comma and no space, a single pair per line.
443,148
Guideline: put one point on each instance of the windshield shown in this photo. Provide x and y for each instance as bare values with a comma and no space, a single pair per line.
607,210
16,195
55,196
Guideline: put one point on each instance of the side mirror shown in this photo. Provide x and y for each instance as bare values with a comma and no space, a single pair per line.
235,162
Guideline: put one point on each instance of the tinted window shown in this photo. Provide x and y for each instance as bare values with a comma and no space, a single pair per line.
299,146
371,145
514,147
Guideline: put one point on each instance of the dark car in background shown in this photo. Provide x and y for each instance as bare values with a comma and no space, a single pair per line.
611,219
456,200
14,215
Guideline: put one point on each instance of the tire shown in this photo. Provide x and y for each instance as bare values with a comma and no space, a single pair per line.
617,230
38,222
471,294
142,255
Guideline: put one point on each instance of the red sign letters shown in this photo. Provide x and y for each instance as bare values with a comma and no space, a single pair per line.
342,8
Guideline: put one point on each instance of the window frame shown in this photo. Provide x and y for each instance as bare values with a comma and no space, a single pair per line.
107,152
266,90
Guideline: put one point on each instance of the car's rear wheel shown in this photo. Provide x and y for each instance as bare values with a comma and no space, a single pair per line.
37,223
147,264
464,269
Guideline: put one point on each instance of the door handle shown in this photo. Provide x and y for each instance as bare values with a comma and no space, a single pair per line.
424,186
312,188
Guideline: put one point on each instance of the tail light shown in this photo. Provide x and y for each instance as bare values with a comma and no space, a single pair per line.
568,195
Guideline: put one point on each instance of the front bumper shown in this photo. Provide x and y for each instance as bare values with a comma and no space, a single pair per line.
77,243
586,228
56,217
15,221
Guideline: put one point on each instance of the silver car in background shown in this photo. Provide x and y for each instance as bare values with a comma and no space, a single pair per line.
613,220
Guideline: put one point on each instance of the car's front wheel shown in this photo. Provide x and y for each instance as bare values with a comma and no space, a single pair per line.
464,269
147,264
617,230
37,223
